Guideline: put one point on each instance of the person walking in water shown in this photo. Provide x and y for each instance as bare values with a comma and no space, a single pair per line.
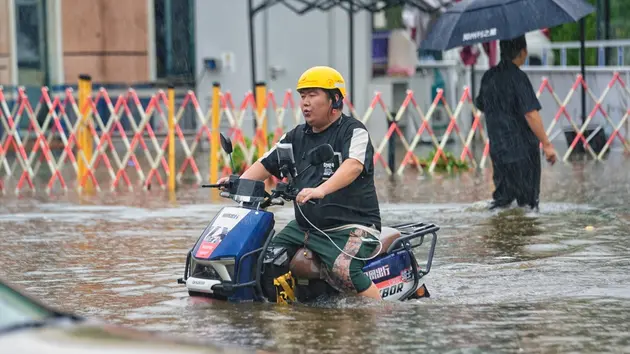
515,128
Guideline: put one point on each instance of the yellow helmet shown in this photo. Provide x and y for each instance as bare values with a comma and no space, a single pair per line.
323,77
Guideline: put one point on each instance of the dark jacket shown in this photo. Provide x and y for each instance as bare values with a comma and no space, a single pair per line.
505,96
357,203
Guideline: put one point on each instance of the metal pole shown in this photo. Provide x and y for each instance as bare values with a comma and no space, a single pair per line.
582,65
351,49
168,24
598,19
171,138
606,19
472,92
607,28
252,49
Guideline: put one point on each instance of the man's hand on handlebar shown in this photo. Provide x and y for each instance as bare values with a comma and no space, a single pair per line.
223,180
307,194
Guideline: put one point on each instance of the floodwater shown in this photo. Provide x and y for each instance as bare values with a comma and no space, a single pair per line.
556,281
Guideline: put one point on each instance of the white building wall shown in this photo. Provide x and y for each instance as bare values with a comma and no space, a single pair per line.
291,42
284,40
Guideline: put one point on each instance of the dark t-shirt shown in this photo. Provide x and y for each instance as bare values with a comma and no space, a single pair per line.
356,203
505,95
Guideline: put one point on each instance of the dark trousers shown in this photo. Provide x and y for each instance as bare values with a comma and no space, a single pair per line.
518,180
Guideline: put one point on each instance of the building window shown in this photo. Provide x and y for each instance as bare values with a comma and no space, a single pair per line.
175,40
32,58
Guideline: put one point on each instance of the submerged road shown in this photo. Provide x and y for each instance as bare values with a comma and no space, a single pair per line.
556,281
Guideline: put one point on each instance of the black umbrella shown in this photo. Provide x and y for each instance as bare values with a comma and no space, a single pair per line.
477,21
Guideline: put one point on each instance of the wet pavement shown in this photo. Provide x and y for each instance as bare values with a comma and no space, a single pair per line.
556,281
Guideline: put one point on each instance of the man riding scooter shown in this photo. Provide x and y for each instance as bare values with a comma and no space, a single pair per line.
347,209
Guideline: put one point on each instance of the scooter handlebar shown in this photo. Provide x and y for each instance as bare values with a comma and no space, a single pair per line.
220,185
287,192
292,198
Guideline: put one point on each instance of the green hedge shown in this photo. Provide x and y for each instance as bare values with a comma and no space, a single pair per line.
450,165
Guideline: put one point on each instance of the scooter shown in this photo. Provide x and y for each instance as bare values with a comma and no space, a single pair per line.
232,260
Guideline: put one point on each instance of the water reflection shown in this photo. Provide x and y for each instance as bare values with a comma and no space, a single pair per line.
509,281
509,231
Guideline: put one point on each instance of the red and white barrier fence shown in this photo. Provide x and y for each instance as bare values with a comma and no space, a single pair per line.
24,151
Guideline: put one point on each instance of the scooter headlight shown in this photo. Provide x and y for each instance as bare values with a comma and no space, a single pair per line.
225,268
204,271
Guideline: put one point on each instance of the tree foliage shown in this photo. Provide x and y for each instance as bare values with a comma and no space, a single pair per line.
569,32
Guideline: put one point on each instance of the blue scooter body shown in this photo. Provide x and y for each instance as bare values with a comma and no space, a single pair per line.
224,260
227,259
229,242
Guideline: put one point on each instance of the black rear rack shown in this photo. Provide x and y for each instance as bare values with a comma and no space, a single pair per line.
416,229
410,231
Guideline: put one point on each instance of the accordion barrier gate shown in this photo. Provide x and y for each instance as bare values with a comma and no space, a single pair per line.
64,140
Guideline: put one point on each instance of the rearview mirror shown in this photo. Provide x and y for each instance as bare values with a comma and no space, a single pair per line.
226,143
285,154
320,154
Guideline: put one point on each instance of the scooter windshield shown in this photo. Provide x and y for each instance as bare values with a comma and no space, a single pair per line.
247,190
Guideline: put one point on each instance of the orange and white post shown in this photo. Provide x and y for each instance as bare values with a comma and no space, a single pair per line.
214,146
261,118
171,138
84,135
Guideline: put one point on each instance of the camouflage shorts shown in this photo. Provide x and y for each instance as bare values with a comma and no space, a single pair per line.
342,272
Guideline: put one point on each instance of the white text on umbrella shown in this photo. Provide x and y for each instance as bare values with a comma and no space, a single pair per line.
480,34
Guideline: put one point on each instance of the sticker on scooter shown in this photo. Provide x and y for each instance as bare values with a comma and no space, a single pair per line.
392,290
211,241
216,234
378,273
406,275
389,282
